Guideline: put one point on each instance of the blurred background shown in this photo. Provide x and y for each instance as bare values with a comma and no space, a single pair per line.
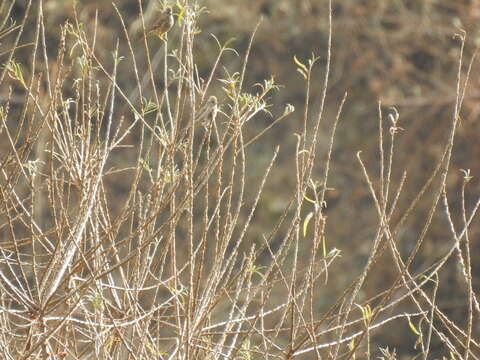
402,53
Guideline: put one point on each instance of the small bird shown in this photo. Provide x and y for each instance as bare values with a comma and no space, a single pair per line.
163,24
208,112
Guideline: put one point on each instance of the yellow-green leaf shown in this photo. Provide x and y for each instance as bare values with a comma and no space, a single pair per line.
412,327
305,223
300,64
309,200
181,12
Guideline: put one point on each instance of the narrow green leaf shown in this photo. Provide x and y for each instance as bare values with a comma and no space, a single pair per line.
305,223
412,327
300,64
